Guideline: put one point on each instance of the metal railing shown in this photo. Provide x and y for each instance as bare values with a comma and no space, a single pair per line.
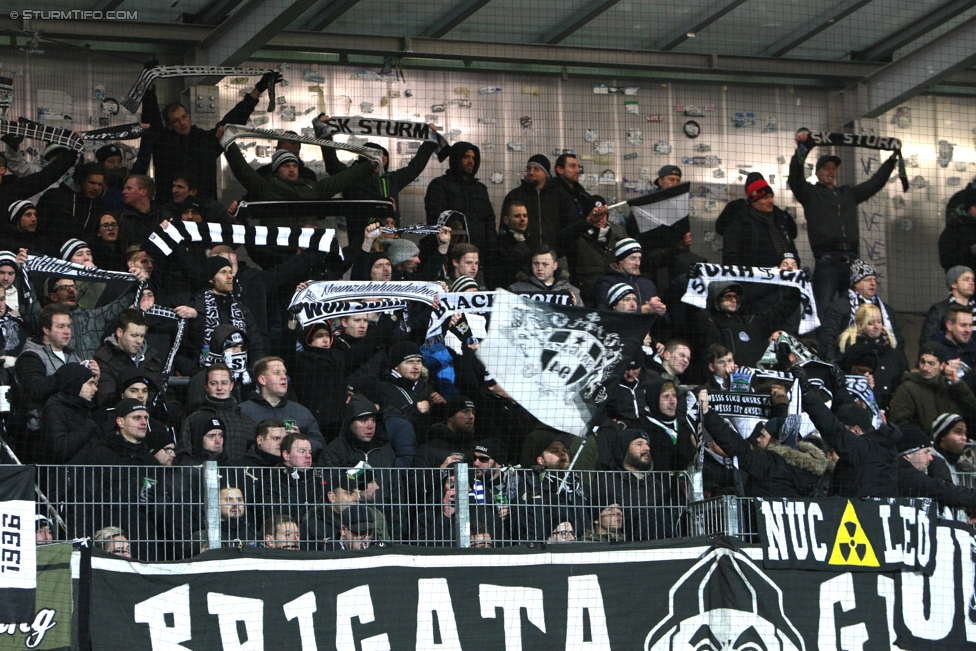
174,513
727,515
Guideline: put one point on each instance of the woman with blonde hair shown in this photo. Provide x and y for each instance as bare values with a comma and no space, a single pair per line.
869,348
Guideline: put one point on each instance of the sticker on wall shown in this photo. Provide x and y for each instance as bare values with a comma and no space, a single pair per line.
309,132
486,120
516,146
110,106
945,153
703,147
781,160
461,90
600,89
366,107
490,90
607,177
898,202
630,156
260,120
526,121
771,124
431,117
313,77
953,182
463,103
693,111
99,93
902,117
744,119
702,161
557,152
437,108
408,93
919,183
452,134
634,136
281,100
961,167
718,174
497,178
691,129
487,145
632,107
645,174
288,113
589,180
772,179
407,147
907,225
590,135
654,117
662,148
604,147
531,90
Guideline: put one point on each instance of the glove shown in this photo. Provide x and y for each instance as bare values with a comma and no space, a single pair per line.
268,79
801,376
783,355
12,140
9,361
230,132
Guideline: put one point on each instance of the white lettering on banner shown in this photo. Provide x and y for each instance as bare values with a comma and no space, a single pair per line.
794,515
908,517
153,611
44,621
585,599
511,599
914,585
356,603
839,590
966,542
886,590
433,596
231,611
893,553
814,513
302,609
778,548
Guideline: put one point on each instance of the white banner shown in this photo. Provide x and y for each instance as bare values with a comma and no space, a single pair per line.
326,300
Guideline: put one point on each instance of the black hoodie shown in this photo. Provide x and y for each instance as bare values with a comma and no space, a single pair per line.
68,421
466,194
668,454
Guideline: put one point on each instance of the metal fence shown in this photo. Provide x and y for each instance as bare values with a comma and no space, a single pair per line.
727,515
173,513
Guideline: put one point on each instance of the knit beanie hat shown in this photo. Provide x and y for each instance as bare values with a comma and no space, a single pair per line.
861,270
214,264
626,247
52,149
617,292
593,201
942,425
401,250
912,439
757,189
18,208
953,275
8,259
281,157
403,351
159,438
102,154
71,377
542,162
463,284
69,248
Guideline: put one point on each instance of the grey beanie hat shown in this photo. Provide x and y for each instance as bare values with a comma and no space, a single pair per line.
953,275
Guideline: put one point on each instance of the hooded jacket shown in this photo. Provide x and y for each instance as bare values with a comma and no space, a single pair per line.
274,188
240,430
529,284
112,360
506,254
347,450
550,210
67,212
959,235
918,401
671,450
644,288
378,188
746,335
199,424
68,421
776,472
14,189
466,194
588,257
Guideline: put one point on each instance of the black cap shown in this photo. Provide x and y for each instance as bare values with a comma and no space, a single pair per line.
494,448
856,416
127,406
912,439
403,351
668,170
102,154
593,201
823,160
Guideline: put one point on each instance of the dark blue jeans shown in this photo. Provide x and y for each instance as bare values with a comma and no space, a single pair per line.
830,275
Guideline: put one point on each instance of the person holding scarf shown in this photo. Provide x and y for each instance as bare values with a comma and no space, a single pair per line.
841,312
869,345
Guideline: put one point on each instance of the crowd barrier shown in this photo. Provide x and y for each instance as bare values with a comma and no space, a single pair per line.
172,513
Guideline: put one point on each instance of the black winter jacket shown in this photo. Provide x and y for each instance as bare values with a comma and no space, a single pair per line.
550,210
747,240
67,213
67,426
456,191
505,257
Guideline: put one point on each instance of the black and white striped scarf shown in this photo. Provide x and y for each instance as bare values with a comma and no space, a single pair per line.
212,319
134,98
317,239
857,301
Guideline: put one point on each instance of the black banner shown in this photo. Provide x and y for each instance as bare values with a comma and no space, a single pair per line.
663,596
728,403
850,535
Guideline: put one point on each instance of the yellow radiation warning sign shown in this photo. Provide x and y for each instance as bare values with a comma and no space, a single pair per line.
851,546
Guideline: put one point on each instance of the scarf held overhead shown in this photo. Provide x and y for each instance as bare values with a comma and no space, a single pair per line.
867,141
702,275
380,128
148,76
316,239
234,131
321,301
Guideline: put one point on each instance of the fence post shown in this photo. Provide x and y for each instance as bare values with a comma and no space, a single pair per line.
461,501
211,483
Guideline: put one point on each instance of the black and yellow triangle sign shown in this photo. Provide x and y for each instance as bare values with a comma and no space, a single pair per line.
851,546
